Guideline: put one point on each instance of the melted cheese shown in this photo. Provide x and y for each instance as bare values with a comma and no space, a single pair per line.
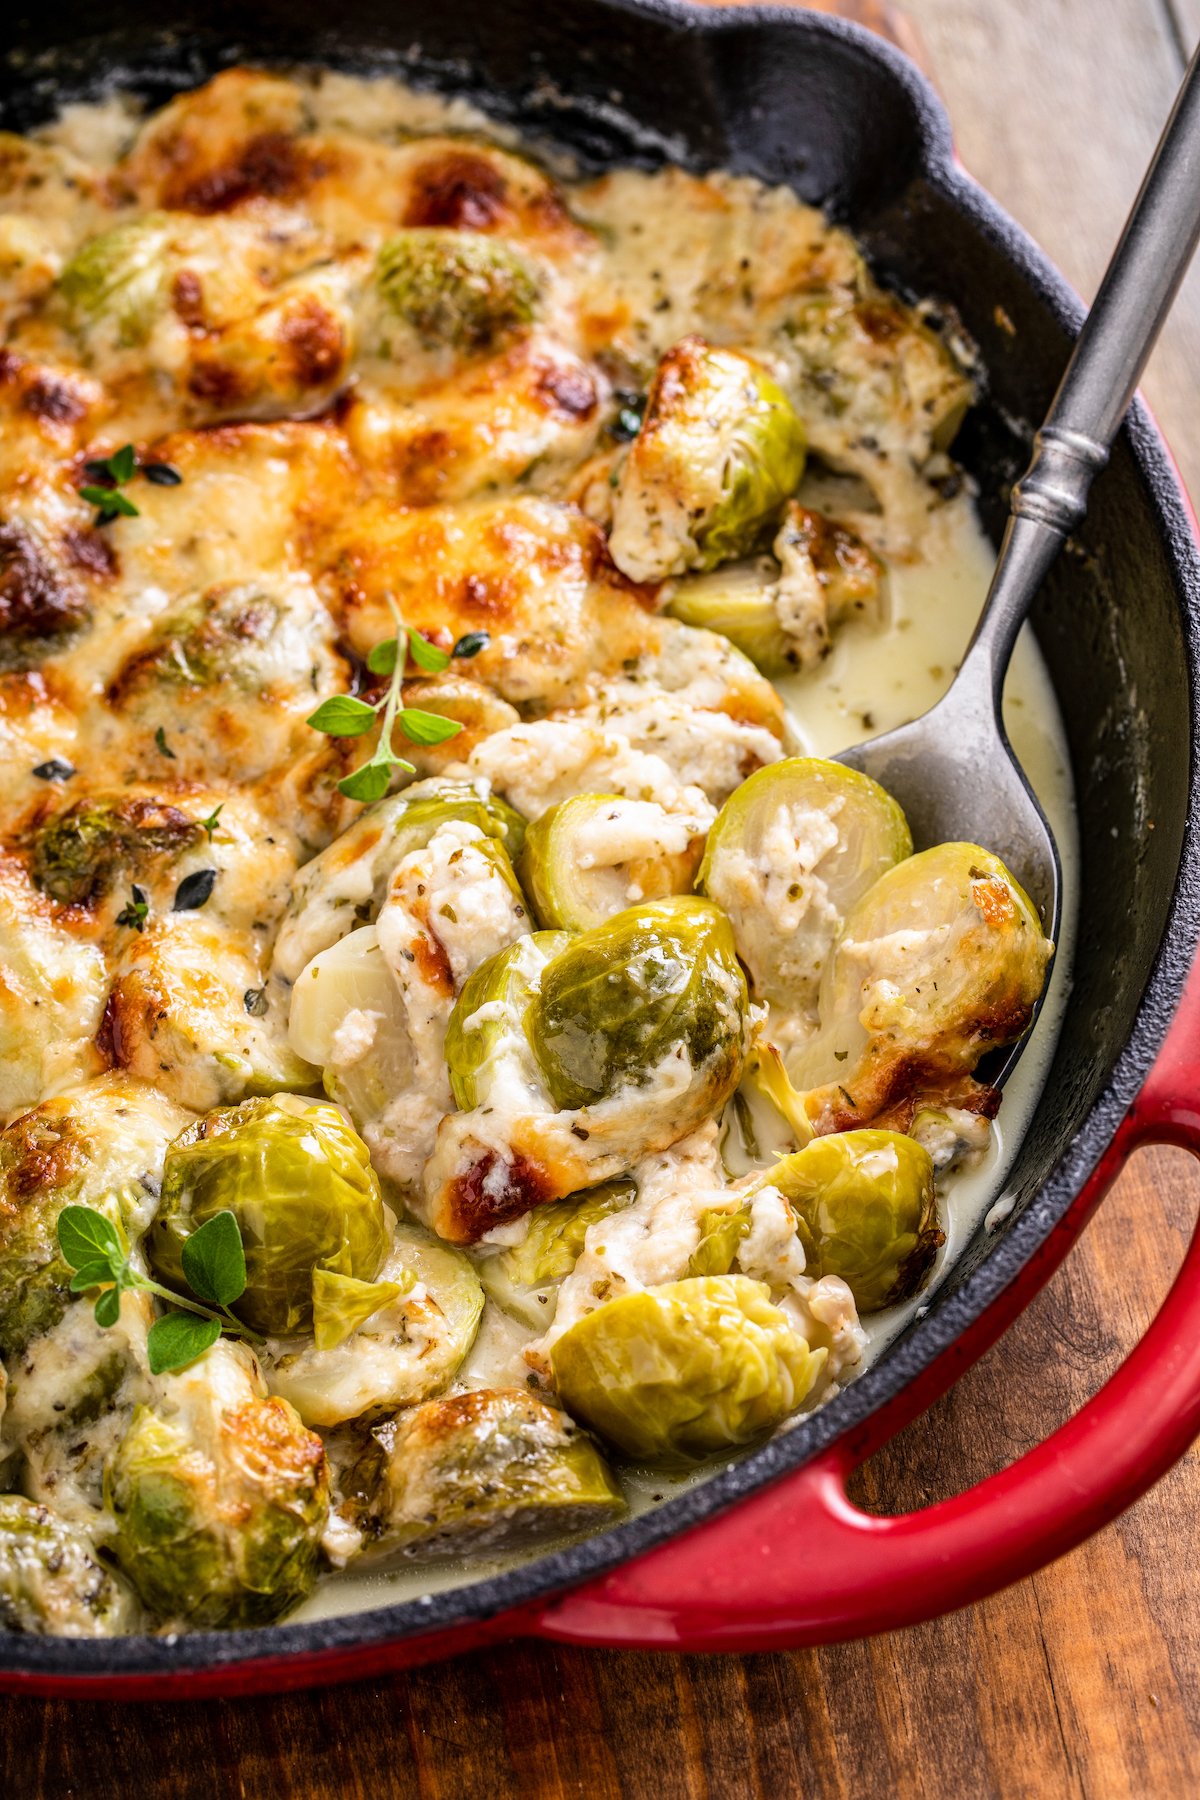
208,283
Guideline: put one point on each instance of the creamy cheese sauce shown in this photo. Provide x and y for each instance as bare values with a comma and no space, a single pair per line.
486,487
892,675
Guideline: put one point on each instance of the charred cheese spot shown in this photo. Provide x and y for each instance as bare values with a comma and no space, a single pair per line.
458,188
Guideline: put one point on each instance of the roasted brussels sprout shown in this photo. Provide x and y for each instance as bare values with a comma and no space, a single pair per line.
185,1012
779,610
489,1015
741,601
300,1184
454,289
719,451
99,1145
591,856
523,1279
656,982
79,854
404,1351
346,884
483,1472
686,1370
865,1211
120,276
790,853
218,1497
941,960
50,1580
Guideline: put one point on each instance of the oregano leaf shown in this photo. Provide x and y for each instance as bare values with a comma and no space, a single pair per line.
178,1339
214,1261
342,716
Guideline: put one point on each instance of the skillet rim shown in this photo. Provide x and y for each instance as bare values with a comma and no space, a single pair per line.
73,1665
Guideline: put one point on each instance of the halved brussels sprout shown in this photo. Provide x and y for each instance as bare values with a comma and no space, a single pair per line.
79,853
100,1145
741,601
655,982
943,959
300,1184
595,854
483,1472
121,275
719,451
346,988
865,1210
779,609
522,1280
50,1580
788,856
686,1370
218,1498
345,885
455,288
491,1009
404,1351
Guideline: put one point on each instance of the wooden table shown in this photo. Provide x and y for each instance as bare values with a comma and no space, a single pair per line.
1082,1681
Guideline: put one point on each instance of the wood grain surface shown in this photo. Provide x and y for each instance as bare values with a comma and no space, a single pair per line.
1085,1680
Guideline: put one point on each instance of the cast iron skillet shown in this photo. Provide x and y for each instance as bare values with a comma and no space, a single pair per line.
849,123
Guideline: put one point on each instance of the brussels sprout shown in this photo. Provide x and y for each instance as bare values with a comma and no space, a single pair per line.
779,609
455,288
352,978
872,366
299,1182
719,451
185,1012
79,853
100,1145
491,1010
483,1472
789,855
940,961
655,982
522,1280
121,276
591,856
686,1370
865,1210
218,1498
345,886
741,601
50,1581
404,1351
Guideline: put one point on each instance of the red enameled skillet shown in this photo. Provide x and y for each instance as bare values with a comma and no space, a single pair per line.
770,1552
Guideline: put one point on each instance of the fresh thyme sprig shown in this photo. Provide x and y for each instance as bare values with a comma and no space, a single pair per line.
214,1267
109,474
344,715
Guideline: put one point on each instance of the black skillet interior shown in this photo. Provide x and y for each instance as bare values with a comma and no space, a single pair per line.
801,99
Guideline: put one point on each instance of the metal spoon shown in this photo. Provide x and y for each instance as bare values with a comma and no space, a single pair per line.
953,770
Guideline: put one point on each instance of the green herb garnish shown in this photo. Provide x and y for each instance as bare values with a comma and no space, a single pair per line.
344,715
136,909
109,474
210,824
214,1267
160,740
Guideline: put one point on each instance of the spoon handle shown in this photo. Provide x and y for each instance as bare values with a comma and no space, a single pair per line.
1072,446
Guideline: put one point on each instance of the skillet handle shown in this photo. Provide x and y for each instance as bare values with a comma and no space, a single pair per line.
799,1564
